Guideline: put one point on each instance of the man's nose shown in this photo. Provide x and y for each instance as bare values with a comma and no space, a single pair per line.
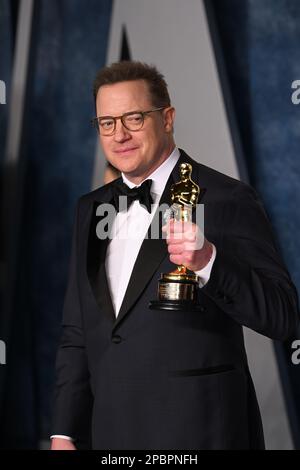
121,133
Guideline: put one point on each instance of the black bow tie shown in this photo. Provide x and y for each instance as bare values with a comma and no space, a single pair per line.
140,193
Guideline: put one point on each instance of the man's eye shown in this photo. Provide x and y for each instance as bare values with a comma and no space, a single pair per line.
134,118
107,124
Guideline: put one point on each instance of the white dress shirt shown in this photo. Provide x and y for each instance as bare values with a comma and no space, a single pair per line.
129,230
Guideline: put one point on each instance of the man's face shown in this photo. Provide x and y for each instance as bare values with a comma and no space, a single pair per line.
135,153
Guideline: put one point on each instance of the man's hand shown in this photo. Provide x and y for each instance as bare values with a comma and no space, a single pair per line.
187,245
61,444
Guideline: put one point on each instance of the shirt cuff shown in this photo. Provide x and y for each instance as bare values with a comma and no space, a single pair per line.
204,273
59,436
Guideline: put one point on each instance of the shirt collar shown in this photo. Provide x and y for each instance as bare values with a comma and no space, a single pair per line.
159,176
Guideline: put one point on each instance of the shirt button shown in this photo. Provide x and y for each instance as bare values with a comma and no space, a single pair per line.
116,339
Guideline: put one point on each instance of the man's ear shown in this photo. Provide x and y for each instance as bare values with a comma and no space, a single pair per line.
169,118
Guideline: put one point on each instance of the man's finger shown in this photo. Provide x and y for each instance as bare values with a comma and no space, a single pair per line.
181,237
176,259
176,226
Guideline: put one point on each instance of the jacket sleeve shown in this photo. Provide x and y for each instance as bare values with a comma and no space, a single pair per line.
249,281
73,398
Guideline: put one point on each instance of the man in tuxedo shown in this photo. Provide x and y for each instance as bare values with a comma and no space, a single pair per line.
129,377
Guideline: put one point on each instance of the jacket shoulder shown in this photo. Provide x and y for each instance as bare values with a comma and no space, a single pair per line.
218,183
98,194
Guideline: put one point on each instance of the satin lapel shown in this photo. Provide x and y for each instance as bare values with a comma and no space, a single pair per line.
152,251
96,253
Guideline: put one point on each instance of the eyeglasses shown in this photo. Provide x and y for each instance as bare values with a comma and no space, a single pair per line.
132,121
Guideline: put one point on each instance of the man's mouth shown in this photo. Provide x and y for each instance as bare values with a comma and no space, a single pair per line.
125,150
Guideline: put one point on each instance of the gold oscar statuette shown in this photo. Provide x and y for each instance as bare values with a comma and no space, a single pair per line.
177,290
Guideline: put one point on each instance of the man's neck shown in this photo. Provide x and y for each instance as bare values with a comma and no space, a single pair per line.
159,176
140,178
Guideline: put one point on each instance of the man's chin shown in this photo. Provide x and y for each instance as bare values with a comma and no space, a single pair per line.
133,173
130,170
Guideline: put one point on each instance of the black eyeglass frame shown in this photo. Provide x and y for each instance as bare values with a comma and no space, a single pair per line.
95,121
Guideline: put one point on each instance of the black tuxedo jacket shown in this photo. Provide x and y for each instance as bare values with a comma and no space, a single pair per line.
171,379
